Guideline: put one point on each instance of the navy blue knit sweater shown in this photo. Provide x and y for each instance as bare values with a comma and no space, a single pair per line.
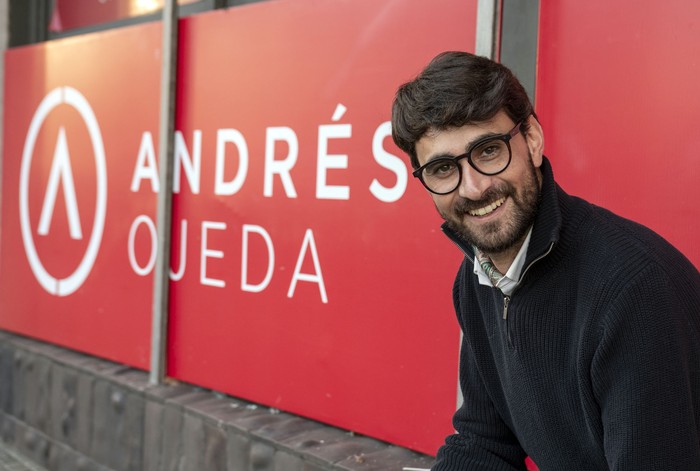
597,365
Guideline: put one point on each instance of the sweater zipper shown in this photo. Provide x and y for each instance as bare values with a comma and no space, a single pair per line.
507,298
506,301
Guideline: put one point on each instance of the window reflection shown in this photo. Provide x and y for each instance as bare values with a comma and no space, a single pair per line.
73,14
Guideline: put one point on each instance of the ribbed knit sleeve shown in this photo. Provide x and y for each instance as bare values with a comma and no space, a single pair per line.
643,373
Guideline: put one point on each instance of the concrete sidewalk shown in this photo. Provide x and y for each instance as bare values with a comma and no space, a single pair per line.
10,460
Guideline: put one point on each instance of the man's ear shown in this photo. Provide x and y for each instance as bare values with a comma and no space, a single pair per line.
535,141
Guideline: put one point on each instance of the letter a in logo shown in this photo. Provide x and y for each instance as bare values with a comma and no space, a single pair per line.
62,173
61,169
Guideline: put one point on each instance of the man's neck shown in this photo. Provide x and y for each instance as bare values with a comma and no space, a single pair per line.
504,259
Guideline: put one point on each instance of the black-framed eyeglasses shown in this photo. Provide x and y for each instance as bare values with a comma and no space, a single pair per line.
490,155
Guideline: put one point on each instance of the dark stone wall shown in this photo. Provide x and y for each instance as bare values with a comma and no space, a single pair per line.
73,412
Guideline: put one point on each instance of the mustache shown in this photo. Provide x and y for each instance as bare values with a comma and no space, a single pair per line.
463,205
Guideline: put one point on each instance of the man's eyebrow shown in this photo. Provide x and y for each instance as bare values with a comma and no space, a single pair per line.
445,155
467,147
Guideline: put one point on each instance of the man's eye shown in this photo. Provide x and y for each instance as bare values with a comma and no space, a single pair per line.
489,150
444,168
441,169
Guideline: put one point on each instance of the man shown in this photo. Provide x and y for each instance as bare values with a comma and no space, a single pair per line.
581,329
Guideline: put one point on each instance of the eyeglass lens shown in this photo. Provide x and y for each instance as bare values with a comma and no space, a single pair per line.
489,157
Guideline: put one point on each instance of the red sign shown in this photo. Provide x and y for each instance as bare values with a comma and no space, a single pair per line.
308,269
617,95
71,111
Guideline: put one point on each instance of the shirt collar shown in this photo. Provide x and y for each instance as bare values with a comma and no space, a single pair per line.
512,278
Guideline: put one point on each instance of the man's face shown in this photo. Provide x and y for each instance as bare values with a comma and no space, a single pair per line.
493,212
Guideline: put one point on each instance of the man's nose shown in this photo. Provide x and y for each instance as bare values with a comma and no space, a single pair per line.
473,183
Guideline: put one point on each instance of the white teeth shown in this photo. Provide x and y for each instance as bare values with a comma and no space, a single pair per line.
487,209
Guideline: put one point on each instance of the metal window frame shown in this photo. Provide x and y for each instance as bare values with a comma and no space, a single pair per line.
488,28
507,31
161,270
184,10
519,41
28,20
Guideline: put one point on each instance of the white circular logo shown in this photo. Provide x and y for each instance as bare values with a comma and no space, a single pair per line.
73,98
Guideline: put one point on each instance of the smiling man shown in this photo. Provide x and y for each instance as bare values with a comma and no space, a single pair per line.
581,329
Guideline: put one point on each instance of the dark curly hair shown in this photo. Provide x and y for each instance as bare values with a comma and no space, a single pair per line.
455,89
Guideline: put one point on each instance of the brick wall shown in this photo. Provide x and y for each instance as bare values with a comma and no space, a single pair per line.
68,411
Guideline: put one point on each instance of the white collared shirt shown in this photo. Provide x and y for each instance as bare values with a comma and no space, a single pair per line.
512,278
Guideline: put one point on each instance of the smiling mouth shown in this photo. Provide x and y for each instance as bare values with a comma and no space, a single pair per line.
487,209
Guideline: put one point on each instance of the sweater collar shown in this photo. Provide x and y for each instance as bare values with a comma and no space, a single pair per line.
545,232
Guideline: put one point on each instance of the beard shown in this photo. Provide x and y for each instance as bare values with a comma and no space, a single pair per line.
503,234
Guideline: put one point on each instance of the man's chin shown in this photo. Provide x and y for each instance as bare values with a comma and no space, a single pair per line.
490,240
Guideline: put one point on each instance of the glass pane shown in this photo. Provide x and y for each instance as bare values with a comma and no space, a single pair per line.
72,14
